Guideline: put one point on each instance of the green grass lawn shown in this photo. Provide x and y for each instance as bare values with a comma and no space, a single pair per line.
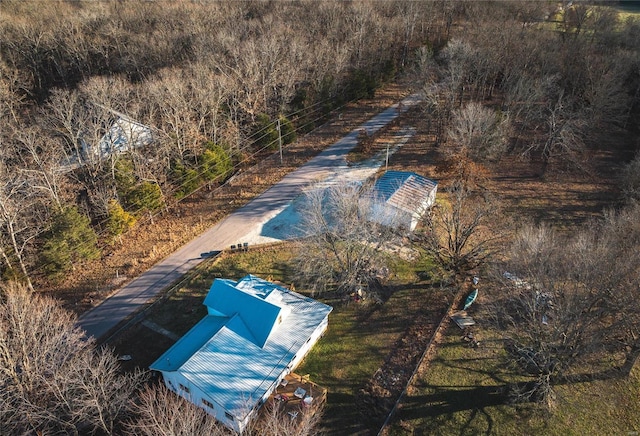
359,338
460,393
356,345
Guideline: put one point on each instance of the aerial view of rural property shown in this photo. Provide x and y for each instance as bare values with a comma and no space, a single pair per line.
319,217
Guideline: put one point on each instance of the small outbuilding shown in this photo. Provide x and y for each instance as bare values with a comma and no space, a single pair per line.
401,198
254,335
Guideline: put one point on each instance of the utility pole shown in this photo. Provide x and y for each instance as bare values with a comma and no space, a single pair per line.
279,140
386,162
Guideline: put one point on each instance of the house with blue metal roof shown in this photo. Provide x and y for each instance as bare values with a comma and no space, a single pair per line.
401,198
254,334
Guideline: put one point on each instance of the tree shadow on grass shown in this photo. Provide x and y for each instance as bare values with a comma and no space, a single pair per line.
446,401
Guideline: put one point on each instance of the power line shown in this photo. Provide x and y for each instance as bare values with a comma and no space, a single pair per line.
236,166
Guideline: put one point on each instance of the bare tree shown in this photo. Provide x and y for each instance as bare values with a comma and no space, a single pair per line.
630,179
11,100
524,100
52,379
609,102
42,160
567,304
23,217
80,122
565,131
478,132
458,234
342,246
161,412
172,101
275,421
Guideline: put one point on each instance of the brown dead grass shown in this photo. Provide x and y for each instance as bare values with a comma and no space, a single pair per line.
153,239
529,190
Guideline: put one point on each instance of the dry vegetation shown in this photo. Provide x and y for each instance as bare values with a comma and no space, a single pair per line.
210,100
541,116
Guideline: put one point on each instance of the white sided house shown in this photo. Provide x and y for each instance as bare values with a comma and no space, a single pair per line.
124,134
401,198
255,333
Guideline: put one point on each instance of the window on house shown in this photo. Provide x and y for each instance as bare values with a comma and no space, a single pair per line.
184,388
207,403
228,416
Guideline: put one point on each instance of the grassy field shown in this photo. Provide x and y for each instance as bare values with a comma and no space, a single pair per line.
359,339
462,392
356,345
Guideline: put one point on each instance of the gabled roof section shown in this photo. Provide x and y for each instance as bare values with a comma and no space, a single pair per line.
227,366
123,135
190,343
258,315
403,189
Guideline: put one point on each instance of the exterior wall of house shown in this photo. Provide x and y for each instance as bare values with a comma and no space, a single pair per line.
424,207
175,381
387,215
317,334
181,386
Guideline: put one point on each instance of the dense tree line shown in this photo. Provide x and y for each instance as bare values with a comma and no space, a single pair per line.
207,82
548,83
534,79
556,80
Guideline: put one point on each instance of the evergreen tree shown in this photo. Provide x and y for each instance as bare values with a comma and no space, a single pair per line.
287,130
266,133
137,196
216,162
70,240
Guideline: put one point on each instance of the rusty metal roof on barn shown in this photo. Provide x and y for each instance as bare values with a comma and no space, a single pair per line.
405,190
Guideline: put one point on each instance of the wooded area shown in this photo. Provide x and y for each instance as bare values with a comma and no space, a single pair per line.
112,113
207,82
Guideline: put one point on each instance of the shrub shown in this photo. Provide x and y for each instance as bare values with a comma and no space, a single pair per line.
70,239
287,130
136,196
125,179
119,221
216,162
361,85
188,180
265,133
146,196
